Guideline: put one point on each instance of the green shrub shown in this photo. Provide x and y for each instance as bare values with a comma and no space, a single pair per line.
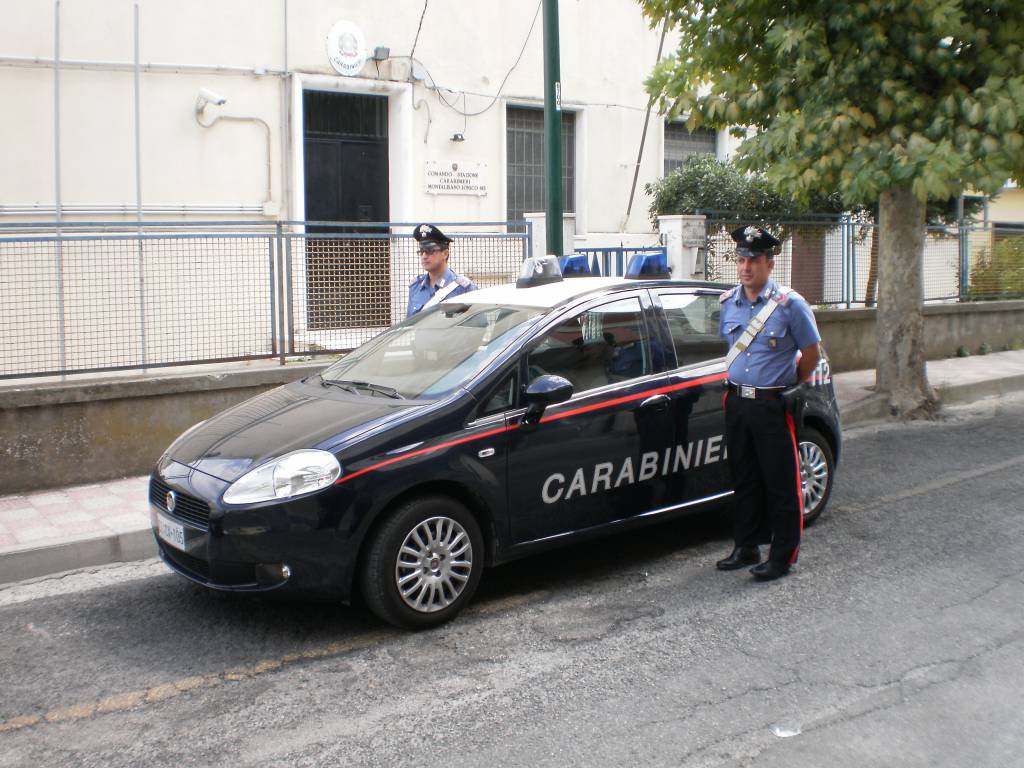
999,273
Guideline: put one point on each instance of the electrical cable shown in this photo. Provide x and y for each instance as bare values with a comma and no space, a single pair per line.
416,39
437,89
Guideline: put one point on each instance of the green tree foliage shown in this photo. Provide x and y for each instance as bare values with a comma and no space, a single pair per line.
888,101
704,183
857,97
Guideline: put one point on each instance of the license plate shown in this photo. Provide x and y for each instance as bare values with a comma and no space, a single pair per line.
171,532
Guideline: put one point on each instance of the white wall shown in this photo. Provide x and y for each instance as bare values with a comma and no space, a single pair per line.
607,49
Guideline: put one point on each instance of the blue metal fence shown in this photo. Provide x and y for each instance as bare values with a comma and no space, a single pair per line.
613,261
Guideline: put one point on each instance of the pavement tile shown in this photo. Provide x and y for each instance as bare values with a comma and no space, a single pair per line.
83,528
47,499
128,486
66,518
84,491
125,523
12,502
106,501
33,535
27,523
12,515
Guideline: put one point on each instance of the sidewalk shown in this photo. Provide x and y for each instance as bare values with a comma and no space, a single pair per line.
67,528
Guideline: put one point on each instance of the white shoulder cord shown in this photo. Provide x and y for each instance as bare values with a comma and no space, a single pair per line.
442,294
753,328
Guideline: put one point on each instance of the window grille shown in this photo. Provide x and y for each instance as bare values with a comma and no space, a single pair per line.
525,137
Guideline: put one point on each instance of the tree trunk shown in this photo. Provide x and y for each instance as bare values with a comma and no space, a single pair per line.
808,265
869,293
899,328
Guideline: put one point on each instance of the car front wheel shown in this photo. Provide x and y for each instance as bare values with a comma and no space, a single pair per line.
424,563
817,468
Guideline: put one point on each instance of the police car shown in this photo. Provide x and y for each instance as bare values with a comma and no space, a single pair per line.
503,422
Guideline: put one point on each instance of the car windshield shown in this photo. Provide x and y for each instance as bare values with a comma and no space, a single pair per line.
431,353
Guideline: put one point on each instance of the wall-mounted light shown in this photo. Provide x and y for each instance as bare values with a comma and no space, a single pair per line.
458,137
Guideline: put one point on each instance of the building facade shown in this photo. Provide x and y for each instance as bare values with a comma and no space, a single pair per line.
429,111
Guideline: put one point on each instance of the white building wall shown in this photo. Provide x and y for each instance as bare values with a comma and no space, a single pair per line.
607,50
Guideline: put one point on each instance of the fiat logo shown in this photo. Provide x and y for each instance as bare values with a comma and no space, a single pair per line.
170,500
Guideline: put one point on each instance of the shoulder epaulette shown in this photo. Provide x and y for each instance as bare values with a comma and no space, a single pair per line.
727,295
414,281
786,293
464,281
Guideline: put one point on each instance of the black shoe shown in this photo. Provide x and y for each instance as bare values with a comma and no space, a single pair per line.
740,558
770,570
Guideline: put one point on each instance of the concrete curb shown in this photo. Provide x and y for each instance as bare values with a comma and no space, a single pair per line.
81,553
875,408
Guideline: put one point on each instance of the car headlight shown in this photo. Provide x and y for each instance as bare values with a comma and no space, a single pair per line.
290,475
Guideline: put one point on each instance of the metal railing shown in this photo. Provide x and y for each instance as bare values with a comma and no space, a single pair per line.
113,296
833,262
613,261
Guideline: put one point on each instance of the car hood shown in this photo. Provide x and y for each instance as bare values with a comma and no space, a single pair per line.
277,422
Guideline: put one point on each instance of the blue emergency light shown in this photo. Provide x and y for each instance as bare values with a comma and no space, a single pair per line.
575,265
647,266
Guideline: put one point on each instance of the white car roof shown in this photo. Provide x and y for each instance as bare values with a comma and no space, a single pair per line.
543,296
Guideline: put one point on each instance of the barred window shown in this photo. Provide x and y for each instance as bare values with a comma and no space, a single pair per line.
525,137
680,143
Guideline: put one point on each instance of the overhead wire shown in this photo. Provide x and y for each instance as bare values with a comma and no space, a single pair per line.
416,39
438,88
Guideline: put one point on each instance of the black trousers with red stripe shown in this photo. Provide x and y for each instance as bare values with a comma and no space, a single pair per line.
766,476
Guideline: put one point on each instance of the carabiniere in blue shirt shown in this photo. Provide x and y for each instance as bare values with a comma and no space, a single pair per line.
420,290
770,360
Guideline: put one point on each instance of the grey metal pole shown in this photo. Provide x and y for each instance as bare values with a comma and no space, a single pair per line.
552,128
138,193
58,201
643,136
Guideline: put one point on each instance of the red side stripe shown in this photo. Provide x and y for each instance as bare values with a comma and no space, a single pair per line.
544,420
799,488
421,451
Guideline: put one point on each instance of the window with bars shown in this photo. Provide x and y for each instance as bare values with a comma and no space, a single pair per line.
680,143
525,137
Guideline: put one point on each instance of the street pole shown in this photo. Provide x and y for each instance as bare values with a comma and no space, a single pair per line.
552,129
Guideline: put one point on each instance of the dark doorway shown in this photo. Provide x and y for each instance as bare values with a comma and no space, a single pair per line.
346,161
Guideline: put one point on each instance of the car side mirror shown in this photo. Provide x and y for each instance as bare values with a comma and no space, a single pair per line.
542,392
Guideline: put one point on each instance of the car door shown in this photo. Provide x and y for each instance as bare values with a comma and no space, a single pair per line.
598,457
700,455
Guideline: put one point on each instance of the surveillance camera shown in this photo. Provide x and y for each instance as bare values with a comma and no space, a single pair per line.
206,96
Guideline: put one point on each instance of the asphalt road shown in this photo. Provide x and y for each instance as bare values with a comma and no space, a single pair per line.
897,641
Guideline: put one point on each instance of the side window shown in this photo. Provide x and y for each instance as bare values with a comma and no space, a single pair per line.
603,345
501,398
693,322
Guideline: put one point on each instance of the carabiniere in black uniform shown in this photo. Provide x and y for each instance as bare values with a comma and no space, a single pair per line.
760,431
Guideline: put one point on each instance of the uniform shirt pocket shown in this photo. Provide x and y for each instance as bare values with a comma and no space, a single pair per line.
775,334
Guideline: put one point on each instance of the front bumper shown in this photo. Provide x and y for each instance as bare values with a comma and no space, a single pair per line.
299,547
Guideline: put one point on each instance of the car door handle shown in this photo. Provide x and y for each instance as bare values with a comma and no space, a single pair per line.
656,402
